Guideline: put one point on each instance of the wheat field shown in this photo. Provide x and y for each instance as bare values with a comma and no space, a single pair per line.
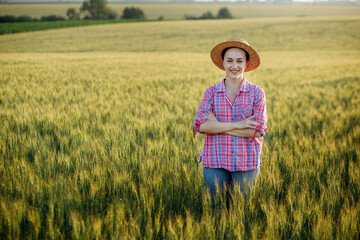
96,131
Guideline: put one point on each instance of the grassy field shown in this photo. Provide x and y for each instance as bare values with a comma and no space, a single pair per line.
17,27
96,131
177,11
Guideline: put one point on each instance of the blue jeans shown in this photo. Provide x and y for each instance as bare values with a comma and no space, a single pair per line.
220,177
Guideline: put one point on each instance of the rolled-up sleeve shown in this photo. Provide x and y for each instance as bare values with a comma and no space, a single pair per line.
205,105
260,110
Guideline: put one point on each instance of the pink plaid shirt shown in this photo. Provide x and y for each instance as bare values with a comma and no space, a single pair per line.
223,150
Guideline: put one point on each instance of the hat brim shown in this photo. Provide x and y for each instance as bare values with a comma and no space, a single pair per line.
254,58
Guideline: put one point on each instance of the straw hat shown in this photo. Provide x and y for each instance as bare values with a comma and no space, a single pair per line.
253,61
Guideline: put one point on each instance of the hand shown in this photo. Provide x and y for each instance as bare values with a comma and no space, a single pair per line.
247,123
211,116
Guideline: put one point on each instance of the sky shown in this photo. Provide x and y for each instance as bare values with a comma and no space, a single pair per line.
110,1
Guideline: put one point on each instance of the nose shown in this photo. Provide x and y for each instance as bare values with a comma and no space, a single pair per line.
235,65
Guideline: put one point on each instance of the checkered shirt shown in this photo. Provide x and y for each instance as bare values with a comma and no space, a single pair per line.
223,150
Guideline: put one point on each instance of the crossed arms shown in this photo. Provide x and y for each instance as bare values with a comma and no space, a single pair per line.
206,122
244,128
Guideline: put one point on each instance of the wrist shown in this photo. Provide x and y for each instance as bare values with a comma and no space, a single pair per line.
234,125
237,125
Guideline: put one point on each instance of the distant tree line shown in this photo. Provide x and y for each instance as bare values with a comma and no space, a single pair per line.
223,13
98,9
90,9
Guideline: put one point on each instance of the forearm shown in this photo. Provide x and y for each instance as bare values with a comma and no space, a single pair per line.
211,126
246,132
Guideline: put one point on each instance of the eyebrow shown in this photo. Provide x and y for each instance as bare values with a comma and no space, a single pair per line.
236,58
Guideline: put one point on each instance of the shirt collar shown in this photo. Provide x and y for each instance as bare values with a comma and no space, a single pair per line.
243,88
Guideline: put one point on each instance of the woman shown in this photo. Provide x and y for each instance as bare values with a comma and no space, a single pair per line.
233,116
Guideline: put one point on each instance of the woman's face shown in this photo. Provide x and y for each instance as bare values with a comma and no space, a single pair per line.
234,63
